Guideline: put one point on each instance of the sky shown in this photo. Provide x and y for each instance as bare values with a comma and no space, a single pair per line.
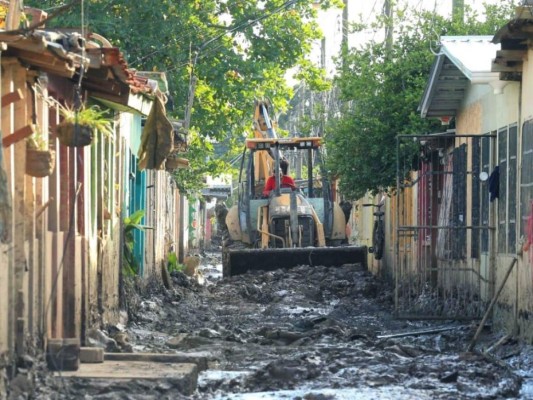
366,11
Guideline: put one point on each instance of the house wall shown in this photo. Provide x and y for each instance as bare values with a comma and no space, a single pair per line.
28,297
162,235
361,228
61,243
516,303
488,113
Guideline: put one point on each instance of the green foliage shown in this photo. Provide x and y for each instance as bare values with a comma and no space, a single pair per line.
203,162
36,140
381,88
91,116
172,263
131,265
238,50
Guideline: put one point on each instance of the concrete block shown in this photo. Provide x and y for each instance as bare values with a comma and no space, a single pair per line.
198,358
91,355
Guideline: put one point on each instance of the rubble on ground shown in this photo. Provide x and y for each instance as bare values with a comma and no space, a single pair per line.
311,333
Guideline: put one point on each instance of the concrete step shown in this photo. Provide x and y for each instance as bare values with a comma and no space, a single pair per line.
198,358
183,375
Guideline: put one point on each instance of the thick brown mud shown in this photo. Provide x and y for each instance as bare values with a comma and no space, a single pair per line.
311,333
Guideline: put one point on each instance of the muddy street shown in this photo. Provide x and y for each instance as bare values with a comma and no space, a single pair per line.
307,333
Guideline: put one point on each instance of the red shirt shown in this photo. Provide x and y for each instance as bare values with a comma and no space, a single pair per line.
286,181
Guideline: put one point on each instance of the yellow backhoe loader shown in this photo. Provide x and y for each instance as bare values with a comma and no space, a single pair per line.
289,227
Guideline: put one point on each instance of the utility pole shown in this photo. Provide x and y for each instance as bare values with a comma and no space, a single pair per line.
458,11
344,29
389,24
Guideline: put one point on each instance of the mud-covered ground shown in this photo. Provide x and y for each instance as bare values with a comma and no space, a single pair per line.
311,333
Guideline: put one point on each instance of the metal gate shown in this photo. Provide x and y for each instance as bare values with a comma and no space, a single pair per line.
444,226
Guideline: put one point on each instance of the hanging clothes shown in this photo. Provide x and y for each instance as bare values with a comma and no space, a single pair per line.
494,184
157,138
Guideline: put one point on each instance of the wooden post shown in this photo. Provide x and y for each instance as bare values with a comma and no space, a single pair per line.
491,305
19,204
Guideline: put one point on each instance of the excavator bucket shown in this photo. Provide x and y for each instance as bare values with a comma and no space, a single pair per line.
236,262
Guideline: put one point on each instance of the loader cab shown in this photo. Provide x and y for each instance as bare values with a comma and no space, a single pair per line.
261,159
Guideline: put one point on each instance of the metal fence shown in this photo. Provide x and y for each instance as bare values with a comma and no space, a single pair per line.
444,231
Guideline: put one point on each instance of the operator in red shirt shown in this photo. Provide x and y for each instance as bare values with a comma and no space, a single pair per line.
286,180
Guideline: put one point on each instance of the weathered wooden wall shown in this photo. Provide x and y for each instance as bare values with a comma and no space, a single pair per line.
162,219
61,256
25,278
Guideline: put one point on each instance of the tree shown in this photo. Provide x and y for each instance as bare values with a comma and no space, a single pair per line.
238,50
381,89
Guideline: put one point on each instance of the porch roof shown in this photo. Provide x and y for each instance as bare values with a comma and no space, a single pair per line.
462,60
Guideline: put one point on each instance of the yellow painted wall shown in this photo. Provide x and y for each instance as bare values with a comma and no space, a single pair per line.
515,306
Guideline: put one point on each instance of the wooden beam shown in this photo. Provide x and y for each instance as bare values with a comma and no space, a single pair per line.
12,97
47,63
17,136
33,44
504,61
511,55
511,76
506,68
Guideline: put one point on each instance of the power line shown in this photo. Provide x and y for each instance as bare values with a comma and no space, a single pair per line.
242,25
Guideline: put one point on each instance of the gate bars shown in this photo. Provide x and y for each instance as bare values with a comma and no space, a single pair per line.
444,226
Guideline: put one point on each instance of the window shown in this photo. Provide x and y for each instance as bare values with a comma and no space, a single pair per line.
458,214
507,161
526,183
476,194
485,203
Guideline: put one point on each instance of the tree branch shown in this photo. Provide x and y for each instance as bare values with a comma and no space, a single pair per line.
51,16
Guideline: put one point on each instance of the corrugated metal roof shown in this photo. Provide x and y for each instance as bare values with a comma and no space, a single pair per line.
472,55
461,60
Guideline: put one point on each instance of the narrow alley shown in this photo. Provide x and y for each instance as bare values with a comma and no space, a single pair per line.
320,333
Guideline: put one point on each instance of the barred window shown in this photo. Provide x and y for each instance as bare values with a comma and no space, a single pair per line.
485,204
526,183
507,160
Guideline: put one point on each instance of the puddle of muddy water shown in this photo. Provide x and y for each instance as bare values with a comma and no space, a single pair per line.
311,333
526,392
387,393
207,377
211,272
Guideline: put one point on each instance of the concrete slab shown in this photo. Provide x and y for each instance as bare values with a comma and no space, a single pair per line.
183,375
198,358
